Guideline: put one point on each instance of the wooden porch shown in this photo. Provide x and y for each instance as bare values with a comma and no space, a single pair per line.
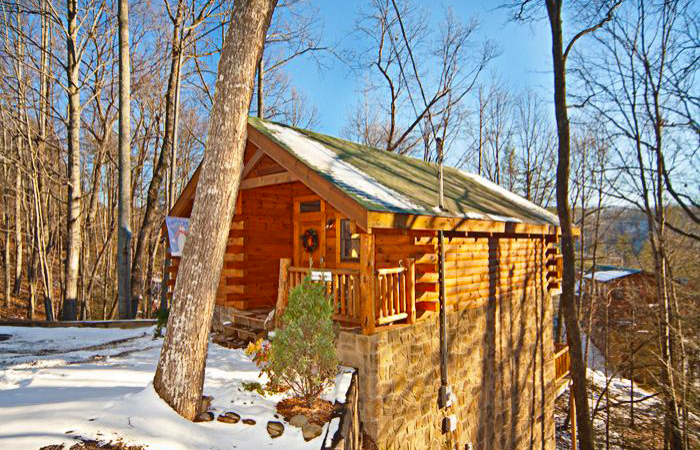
363,299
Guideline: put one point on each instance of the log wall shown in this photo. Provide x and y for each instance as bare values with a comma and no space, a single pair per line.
475,267
262,232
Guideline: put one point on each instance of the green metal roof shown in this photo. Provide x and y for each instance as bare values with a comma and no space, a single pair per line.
388,182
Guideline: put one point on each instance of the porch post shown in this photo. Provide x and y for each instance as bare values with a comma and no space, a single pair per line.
282,290
367,283
411,290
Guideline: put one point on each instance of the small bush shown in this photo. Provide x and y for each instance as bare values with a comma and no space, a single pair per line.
302,355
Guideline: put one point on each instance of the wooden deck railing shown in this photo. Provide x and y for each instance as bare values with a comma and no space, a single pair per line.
392,293
395,295
342,285
562,363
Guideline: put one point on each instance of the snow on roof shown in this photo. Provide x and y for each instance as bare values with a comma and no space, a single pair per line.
385,181
515,198
609,275
343,174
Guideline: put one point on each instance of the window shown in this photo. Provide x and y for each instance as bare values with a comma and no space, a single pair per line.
349,241
313,206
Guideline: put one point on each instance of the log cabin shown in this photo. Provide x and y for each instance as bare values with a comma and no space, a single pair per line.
624,314
366,222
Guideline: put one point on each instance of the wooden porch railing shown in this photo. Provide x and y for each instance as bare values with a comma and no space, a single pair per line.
391,293
342,285
562,361
395,295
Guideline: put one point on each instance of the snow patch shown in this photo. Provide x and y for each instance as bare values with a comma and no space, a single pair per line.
341,385
56,394
608,275
333,426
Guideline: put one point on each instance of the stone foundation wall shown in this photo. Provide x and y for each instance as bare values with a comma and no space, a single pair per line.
500,369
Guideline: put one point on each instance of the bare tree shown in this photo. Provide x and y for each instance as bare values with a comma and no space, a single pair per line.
627,83
179,376
602,13
74,241
186,17
124,235
402,80
295,31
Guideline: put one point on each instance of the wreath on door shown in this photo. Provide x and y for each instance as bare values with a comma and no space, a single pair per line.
309,240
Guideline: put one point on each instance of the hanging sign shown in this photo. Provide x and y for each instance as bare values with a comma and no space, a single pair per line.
318,275
178,228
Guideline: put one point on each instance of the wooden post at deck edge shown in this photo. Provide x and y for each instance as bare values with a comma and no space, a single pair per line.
367,318
282,290
411,290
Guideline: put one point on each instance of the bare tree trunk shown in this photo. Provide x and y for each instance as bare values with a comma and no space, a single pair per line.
160,169
482,107
179,377
124,234
74,235
260,88
149,275
42,230
567,302
6,250
176,132
18,233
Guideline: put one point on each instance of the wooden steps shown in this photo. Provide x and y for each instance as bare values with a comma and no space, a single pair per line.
243,327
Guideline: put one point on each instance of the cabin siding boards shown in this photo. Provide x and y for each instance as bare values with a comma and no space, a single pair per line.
263,231
259,236
266,215
475,267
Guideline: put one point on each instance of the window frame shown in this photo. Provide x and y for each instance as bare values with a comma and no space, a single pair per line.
344,242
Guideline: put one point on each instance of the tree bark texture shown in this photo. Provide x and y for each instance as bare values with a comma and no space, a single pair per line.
74,233
567,303
124,207
179,376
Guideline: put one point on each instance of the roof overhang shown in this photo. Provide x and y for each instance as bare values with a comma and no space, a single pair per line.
345,204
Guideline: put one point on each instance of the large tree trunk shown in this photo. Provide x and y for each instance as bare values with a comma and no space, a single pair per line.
124,235
160,169
567,302
74,233
179,377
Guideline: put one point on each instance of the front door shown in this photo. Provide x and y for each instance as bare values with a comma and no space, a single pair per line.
309,231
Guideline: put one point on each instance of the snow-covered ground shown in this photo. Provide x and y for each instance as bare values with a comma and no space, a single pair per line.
58,384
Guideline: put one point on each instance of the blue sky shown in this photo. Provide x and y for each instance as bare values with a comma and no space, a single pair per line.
524,60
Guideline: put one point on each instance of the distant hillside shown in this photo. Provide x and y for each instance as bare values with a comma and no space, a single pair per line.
621,236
